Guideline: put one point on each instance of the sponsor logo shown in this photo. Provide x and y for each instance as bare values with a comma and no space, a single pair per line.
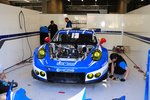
65,70
66,63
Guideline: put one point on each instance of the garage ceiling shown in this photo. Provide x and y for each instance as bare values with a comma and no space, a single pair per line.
110,5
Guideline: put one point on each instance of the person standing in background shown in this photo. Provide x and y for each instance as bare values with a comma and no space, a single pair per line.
52,28
69,23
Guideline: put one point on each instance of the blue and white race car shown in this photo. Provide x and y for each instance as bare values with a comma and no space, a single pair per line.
72,56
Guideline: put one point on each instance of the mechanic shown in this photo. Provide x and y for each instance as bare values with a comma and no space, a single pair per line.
52,28
4,84
69,23
118,66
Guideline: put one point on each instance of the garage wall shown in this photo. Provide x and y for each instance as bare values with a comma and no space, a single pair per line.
78,20
137,35
14,51
57,18
107,22
111,26
111,40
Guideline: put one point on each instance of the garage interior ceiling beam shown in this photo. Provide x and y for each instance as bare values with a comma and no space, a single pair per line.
30,4
112,6
4,2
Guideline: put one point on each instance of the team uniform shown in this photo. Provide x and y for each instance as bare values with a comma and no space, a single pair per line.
120,65
69,24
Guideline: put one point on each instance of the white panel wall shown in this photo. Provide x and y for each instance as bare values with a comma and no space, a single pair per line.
108,22
79,20
14,51
138,51
138,22
111,40
58,19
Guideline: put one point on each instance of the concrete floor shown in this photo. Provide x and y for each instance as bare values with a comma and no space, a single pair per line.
133,88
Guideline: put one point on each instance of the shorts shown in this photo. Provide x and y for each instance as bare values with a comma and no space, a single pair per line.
117,69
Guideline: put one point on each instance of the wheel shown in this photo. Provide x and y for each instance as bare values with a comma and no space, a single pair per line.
105,76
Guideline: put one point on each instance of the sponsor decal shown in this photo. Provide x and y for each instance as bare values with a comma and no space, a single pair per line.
65,70
60,63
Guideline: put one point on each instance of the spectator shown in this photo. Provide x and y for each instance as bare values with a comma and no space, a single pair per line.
69,23
52,28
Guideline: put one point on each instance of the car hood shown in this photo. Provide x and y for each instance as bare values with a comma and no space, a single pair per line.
84,63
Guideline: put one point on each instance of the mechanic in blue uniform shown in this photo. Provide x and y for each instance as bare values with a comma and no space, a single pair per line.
118,66
69,23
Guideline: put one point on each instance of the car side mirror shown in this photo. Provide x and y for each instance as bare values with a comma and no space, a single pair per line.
47,40
103,40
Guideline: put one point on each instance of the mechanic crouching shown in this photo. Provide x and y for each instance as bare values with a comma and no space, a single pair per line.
118,66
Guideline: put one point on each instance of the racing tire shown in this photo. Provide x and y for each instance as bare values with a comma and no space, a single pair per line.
104,77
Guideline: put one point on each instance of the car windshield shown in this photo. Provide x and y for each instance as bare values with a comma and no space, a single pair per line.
75,38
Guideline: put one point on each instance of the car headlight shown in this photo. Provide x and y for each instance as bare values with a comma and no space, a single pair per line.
41,53
42,73
90,76
96,55
37,72
98,74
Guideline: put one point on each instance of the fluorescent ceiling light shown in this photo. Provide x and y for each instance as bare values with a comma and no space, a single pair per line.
82,0
103,23
69,0
95,0
26,0
65,15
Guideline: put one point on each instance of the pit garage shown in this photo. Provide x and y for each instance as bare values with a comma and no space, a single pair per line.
74,63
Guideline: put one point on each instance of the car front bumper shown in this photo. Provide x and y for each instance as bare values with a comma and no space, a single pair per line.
70,77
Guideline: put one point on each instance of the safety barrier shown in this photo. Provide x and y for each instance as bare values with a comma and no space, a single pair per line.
147,78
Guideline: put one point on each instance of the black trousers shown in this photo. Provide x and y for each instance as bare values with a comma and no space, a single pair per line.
117,69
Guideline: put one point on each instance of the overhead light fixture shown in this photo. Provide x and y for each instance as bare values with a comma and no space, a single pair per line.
103,23
65,15
76,18
68,0
26,0
82,0
142,0
95,0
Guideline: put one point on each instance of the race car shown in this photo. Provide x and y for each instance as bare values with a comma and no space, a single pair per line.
72,56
